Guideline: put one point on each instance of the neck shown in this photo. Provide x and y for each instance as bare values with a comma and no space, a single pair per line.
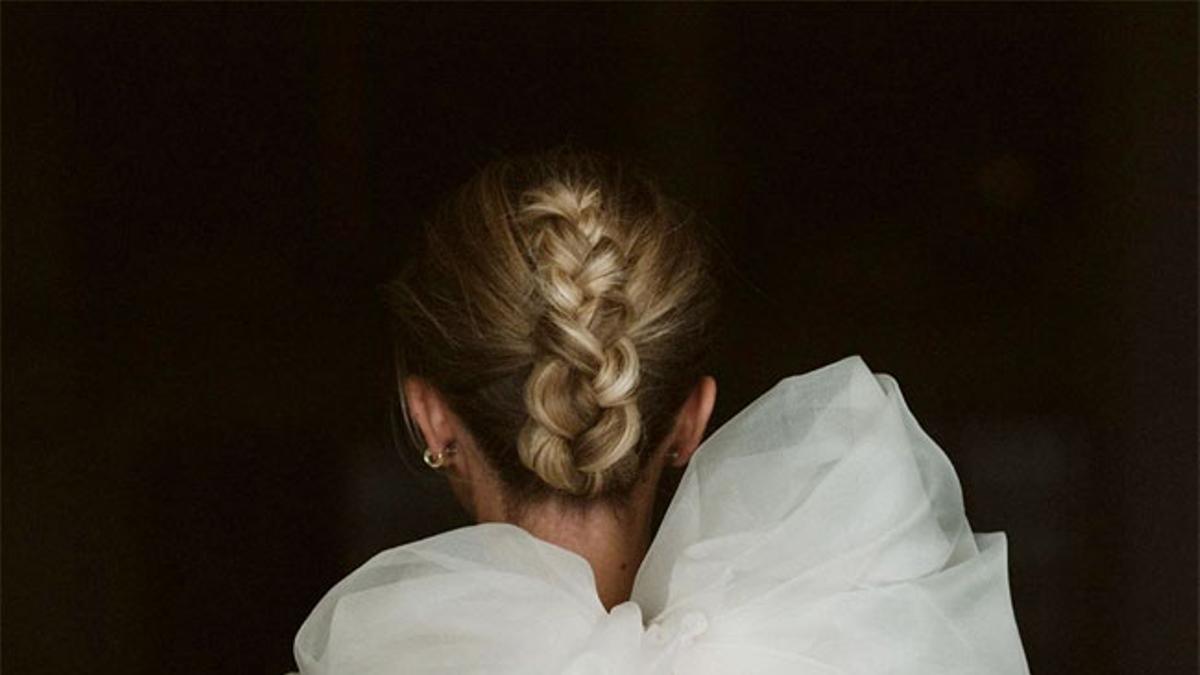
612,540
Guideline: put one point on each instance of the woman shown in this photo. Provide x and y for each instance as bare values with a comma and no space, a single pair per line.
551,337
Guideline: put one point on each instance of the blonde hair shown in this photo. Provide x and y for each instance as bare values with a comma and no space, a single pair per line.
562,305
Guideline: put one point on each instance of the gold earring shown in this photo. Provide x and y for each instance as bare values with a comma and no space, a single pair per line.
437,460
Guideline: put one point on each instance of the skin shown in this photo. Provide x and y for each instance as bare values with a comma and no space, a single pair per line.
613,541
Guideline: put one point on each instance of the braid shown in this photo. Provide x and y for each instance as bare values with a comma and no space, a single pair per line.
562,303
581,394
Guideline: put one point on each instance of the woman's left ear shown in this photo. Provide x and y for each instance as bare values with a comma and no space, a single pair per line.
430,413
693,420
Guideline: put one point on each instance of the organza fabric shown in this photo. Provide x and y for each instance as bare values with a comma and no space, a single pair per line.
819,531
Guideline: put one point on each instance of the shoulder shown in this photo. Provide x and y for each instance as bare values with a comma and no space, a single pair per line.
821,524
489,586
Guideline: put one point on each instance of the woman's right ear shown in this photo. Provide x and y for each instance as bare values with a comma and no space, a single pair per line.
693,420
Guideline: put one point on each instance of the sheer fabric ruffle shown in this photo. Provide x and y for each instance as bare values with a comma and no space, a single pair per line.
818,531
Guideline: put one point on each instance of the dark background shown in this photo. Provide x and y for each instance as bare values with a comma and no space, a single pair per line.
996,204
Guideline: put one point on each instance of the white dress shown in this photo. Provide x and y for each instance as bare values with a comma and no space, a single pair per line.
818,531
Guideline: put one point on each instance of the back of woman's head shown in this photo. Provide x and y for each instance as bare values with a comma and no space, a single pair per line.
561,306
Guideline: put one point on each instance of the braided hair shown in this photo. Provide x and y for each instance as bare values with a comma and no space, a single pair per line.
562,304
